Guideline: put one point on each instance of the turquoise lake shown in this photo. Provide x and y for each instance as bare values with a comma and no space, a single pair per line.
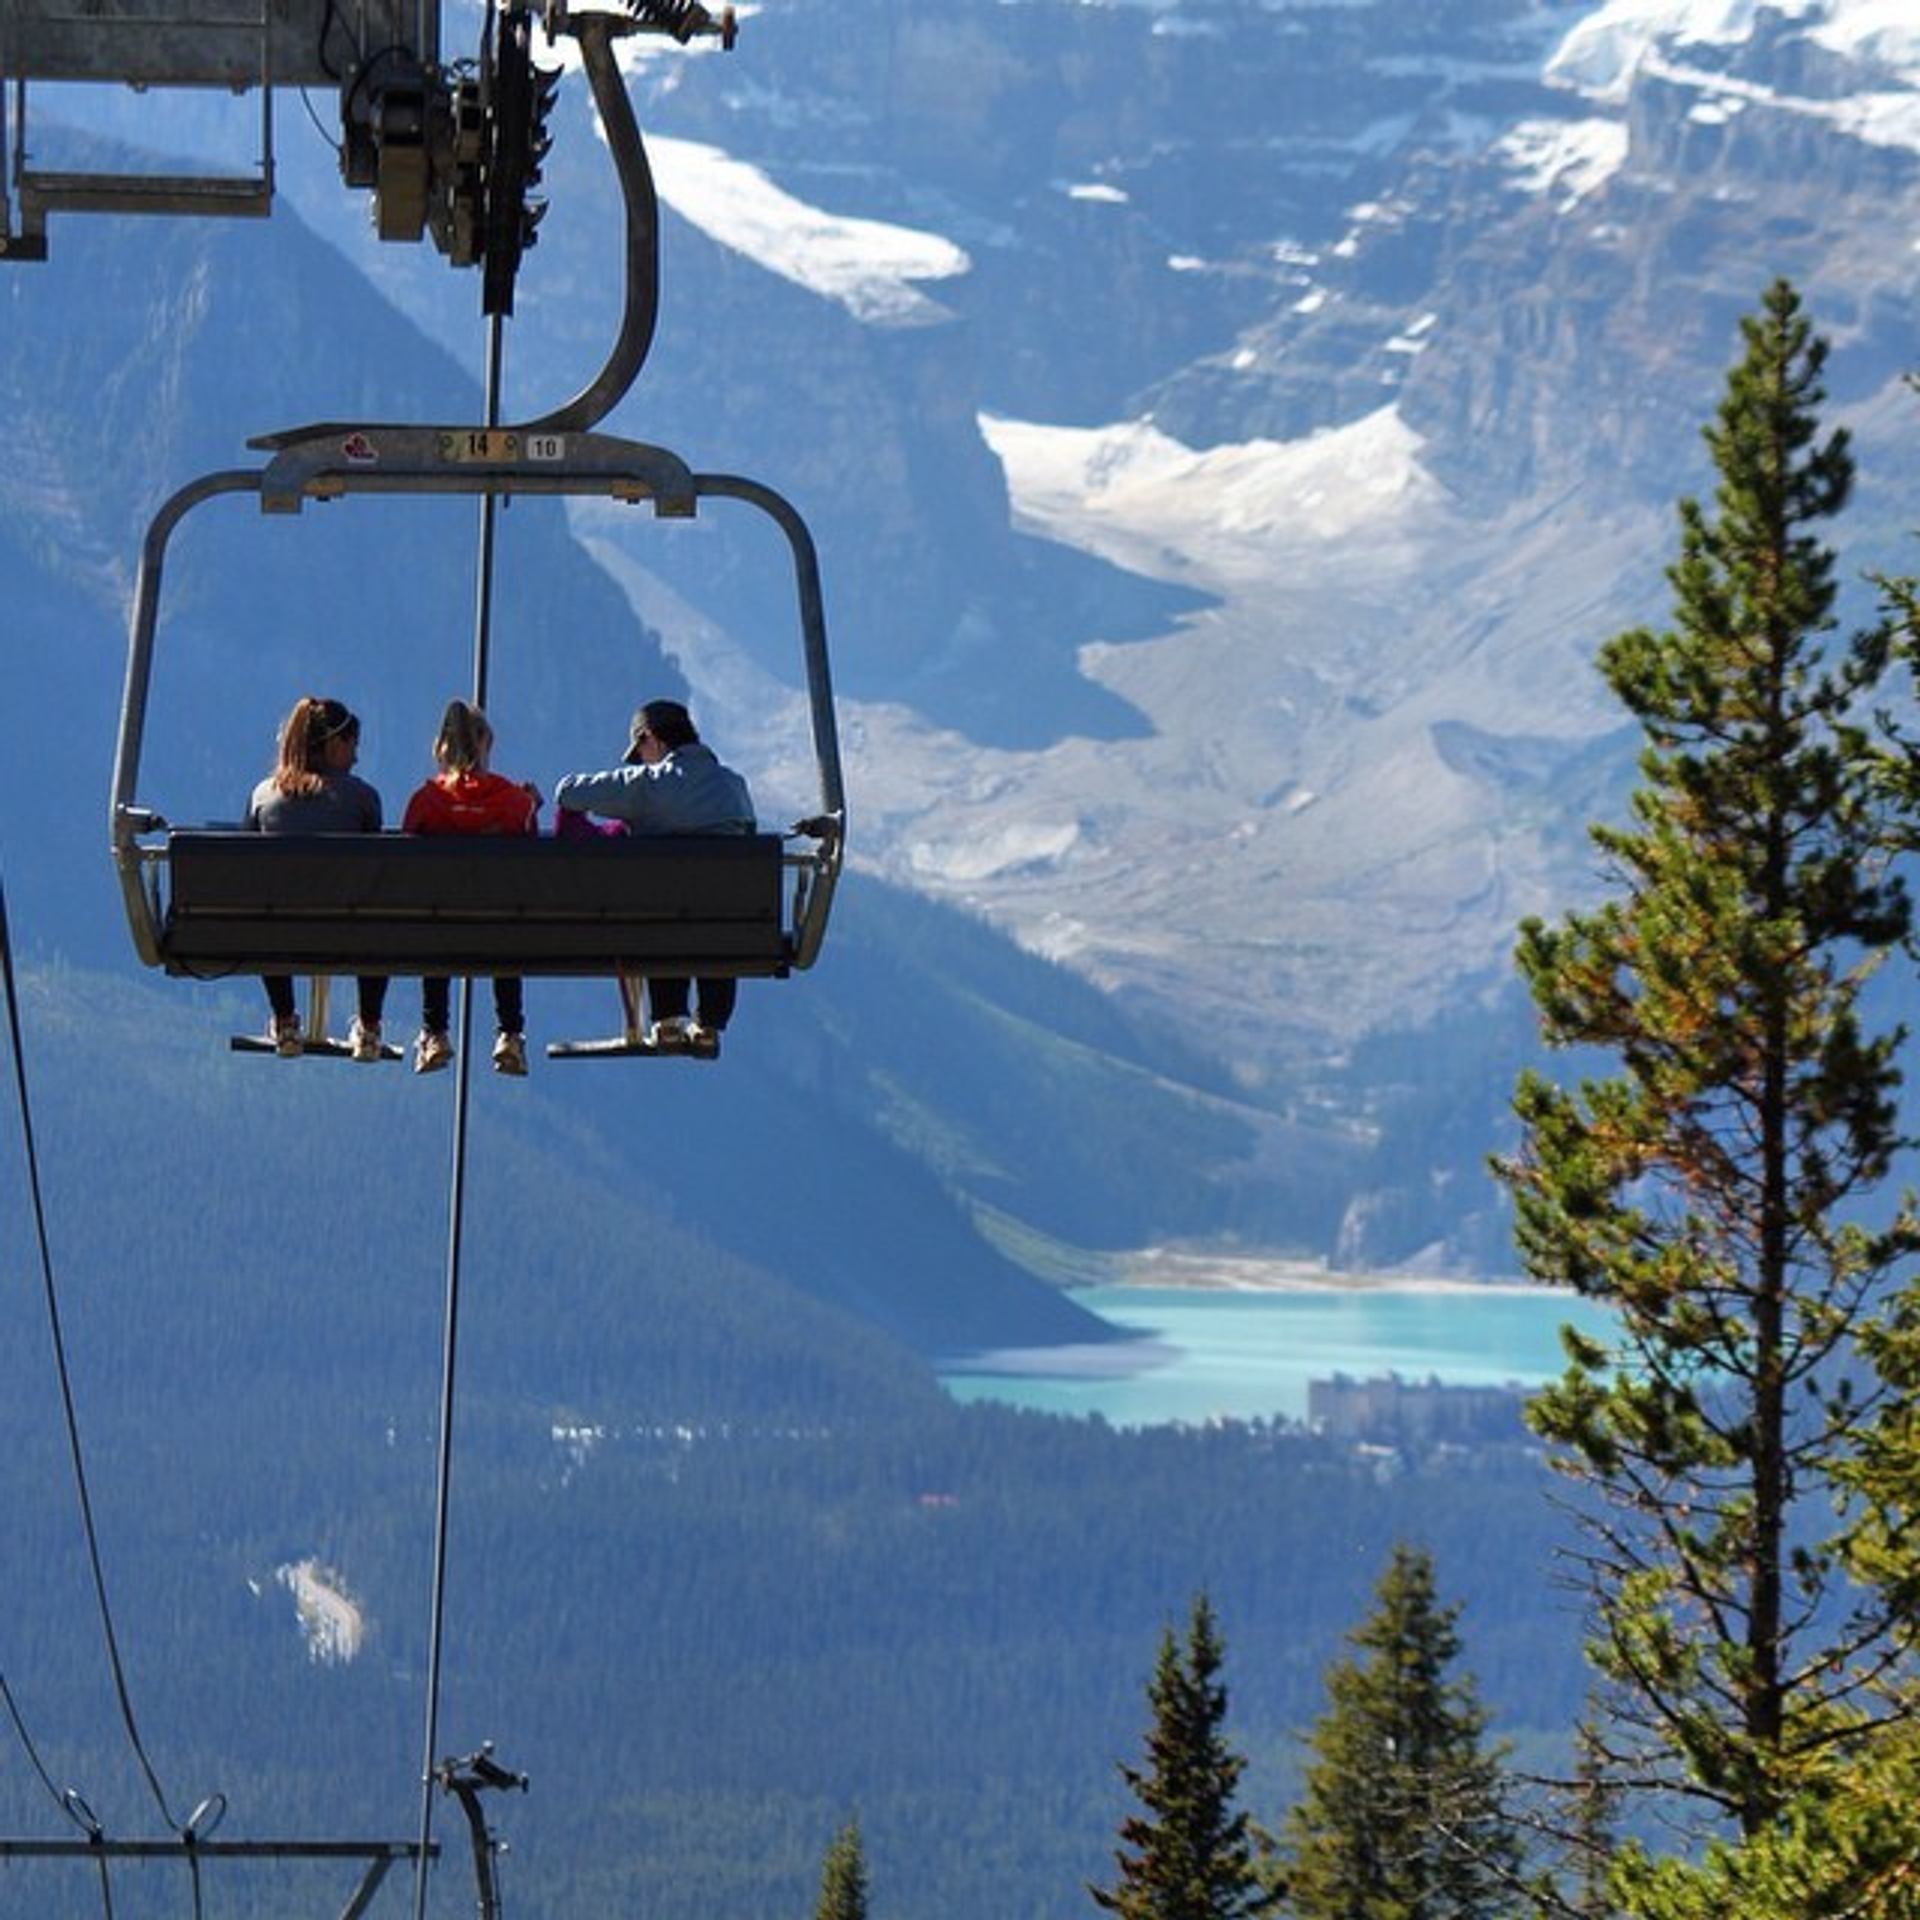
1201,1354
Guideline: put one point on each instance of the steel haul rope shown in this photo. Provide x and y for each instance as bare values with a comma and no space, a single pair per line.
456,1196
51,1294
70,1802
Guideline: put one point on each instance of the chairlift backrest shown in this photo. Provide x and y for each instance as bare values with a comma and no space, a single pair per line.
400,904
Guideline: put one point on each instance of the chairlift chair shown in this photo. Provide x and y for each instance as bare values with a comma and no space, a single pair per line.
208,902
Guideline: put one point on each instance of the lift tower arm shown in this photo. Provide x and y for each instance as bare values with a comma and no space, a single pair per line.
447,151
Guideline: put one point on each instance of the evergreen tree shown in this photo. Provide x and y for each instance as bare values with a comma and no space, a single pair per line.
1716,1190
1400,1818
843,1877
1593,1840
1189,1855
1844,1850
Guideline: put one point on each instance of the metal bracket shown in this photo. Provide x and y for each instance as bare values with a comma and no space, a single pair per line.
466,1780
379,1855
42,192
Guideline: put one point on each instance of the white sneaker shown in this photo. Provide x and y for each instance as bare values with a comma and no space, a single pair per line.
431,1050
510,1053
674,1034
284,1031
363,1040
703,1038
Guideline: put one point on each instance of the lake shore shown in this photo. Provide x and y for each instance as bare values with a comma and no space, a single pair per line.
1187,1354
1213,1272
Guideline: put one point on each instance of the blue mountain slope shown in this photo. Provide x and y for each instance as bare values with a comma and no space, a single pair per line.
862,1111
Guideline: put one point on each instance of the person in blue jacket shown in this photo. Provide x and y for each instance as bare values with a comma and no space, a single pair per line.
671,781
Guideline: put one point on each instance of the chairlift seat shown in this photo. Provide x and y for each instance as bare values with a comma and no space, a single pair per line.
389,903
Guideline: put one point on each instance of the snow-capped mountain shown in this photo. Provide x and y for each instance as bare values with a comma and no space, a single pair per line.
1472,274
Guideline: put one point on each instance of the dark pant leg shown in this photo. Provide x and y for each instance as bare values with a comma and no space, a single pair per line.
509,1004
279,988
435,999
373,996
716,1001
667,995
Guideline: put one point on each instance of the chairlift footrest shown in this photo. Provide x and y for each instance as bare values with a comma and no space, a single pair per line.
326,1049
630,1049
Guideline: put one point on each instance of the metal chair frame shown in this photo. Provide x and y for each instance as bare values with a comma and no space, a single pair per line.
360,934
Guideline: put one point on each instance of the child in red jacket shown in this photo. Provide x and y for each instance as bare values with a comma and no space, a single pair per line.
465,797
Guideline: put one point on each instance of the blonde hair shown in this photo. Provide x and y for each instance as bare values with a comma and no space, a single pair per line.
463,740
304,734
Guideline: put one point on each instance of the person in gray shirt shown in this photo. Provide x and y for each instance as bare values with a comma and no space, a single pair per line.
670,782
313,789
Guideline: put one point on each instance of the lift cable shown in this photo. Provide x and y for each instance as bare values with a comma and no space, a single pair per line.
214,1804
430,1771
443,1472
33,1752
70,1802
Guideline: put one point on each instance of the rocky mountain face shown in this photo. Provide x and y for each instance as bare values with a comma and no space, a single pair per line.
1383,335
1472,275
1230,430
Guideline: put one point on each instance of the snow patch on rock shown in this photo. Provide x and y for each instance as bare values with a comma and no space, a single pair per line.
870,267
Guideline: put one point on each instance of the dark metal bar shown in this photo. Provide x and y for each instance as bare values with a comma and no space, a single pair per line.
210,1849
443,1467
379,1855
127,858
483,583
362,1896
641,311
823,871
240,196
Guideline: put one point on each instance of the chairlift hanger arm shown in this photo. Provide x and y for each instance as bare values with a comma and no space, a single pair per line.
640,310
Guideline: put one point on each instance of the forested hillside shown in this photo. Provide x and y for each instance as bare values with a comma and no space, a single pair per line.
725,1562
708,1645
